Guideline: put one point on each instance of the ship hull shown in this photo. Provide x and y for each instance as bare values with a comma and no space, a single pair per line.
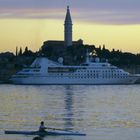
46,133
47,80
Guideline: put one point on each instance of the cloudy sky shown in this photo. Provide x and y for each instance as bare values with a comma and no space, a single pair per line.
99,11
98,16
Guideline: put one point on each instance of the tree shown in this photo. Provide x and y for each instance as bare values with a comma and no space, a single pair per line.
16,51
26,49
20,51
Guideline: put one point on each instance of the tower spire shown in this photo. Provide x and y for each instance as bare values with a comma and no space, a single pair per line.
68,29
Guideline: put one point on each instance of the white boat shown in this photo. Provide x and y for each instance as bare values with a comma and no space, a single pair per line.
47,72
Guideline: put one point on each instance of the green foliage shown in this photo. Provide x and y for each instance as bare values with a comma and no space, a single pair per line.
74,55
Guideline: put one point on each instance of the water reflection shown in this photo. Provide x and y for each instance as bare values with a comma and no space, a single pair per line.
106,112
38,138
69,107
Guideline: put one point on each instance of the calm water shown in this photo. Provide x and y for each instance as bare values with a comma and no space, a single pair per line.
102,112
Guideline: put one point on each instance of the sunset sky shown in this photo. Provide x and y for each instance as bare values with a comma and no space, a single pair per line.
115,23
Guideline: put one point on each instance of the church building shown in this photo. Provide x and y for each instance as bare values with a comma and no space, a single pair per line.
67,35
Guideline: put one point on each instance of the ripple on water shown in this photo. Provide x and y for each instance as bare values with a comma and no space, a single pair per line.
103,112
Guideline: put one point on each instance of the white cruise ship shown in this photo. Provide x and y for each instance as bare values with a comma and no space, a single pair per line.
46,72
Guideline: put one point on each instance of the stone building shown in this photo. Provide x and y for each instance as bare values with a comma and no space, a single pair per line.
67,35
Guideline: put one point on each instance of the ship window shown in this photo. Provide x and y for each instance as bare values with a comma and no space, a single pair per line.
36,70
26,70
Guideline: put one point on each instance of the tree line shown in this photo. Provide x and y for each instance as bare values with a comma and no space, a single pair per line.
75,55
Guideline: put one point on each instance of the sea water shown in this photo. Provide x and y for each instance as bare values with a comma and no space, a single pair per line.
102,112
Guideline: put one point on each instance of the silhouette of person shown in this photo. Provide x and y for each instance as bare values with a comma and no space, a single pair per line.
42,127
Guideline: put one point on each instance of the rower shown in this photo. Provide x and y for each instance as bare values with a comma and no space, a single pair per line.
42,127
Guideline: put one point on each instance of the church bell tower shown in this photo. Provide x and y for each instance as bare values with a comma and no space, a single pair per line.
68,29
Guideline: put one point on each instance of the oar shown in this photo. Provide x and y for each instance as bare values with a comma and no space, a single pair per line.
58,129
